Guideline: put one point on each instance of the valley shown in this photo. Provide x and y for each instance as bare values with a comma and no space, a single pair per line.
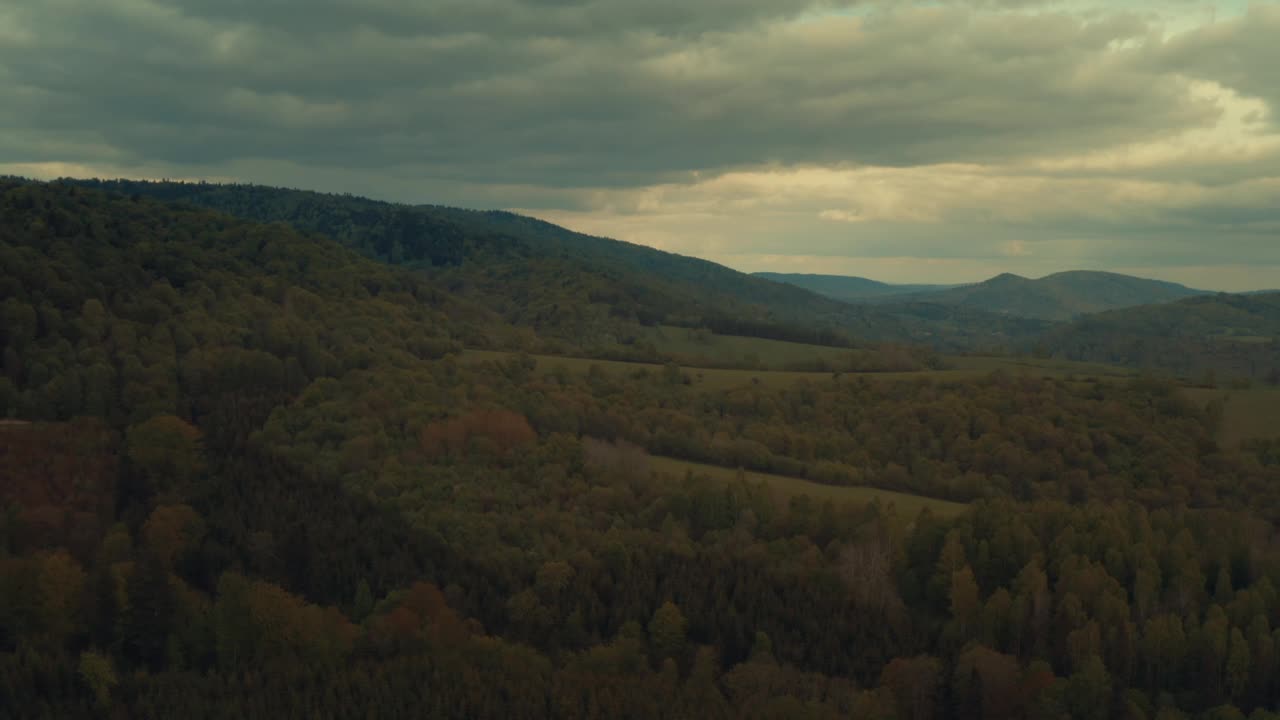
229,443
639,360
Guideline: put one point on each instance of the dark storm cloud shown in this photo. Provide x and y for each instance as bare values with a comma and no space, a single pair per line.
575,93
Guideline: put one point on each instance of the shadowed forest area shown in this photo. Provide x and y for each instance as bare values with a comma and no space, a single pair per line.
258,469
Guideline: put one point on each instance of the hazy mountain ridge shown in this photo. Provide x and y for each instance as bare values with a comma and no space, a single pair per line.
848,287
1064,295
1058,297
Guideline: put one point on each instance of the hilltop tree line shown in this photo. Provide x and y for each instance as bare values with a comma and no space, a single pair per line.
581,293
1216,338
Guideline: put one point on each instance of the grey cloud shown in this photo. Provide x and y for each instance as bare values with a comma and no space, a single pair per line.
603,92
571,105
506,18
1065,246
1241,53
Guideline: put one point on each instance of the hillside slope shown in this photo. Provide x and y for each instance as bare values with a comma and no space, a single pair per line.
586,292
124,309
848,287
1061,296
1230,335
274,498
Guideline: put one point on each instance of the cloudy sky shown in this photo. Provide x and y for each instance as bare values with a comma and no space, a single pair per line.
904,141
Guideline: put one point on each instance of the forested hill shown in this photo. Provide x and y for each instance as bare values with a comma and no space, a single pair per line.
1229,335
1060,296
124,308
584,291
242,476
1057,297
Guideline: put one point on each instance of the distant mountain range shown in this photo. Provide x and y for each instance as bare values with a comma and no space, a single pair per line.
849,288
1058,297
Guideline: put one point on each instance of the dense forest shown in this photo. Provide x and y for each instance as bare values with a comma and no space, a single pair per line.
586,293
1223,336
246,473
594,296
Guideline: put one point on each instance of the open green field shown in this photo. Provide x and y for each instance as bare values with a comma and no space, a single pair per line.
1246,414
907,506
1036,366
965,368
777,354
1246,339
710,379
693,344
716,378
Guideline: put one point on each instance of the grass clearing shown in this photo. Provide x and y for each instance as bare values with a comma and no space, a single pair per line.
777,354
706,378
966,368
1246,413
907,506
1037,366
707,346
1245,339
715,378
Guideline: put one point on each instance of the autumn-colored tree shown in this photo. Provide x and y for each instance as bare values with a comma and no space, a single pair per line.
98,673
167,451
149,613
667,631
914,683
61,583
503,429
988,683
1088,691
172,530
966,605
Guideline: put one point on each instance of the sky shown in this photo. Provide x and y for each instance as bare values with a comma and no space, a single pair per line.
905,141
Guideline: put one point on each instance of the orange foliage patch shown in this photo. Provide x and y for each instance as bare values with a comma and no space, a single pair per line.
504,429
62,478
422,613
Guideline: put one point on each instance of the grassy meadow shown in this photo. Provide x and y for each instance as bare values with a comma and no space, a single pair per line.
701,347
711,379
1246,413
772,355
907,506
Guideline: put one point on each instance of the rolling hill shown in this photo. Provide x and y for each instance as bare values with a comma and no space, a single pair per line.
846,287
1058,297
122,309
245,470
1228,335
1061,296
582,292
